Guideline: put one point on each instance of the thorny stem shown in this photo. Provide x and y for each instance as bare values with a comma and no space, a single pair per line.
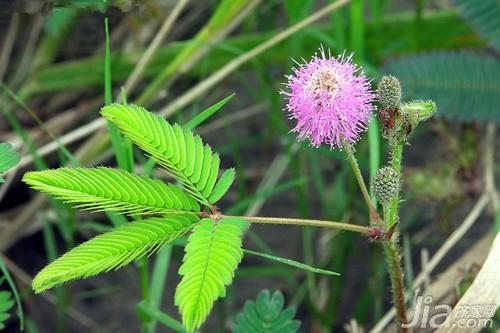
359,177
368,231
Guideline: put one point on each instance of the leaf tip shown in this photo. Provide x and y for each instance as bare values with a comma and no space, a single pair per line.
39,284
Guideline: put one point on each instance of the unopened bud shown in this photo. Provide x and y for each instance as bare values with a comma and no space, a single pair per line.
386,184
389,92
416,111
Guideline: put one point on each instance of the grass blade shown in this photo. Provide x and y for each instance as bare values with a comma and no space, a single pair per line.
121,146
291,262
149,312
207,113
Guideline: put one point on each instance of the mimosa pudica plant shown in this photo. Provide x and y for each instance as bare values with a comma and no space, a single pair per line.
331,100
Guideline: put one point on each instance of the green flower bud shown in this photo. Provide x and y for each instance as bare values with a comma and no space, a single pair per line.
389,92
416,111
386,184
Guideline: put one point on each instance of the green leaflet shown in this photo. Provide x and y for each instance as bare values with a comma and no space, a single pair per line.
177,149
213,253
111,190
5,299
114,249
8,158
266,315
222,185
6,302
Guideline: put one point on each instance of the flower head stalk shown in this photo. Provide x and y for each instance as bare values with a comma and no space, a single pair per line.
331,100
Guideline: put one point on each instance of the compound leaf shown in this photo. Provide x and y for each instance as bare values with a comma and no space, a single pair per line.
213,253
464,86
177,149
266,315
114,249
107,189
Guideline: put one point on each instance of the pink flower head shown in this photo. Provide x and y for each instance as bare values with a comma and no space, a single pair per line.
329,100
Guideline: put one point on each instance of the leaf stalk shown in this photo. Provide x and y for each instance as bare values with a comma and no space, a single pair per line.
367,231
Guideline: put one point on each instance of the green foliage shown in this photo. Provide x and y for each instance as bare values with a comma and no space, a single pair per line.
114,249
97,5
6,298
290,262
6,303
8,158
207,113
222,185
106,189
175,148
465,86
484,16
266,315
213,253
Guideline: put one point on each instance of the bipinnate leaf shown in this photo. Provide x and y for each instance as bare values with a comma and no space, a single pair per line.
114,190
8,158
114,249
175,148
266,315
213,253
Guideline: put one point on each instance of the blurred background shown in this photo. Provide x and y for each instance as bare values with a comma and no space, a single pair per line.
179,57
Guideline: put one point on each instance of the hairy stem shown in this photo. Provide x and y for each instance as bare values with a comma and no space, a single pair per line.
307,223
396,157
359,177
397,285
391,248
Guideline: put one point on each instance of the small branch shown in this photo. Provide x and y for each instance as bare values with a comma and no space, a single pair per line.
359,177
368,231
